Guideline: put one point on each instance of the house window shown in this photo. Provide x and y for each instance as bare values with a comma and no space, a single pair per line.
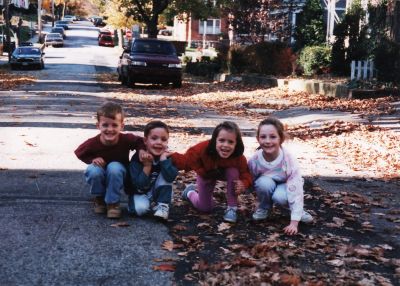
213,26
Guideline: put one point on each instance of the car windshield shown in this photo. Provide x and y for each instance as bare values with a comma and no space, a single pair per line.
107,38
33,51
154,47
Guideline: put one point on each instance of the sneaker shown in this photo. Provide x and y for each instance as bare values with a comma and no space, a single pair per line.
306,217
187,190
113,210
230,215
162,211
260,214
99,205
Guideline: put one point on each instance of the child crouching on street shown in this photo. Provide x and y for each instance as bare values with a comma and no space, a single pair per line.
107,156
220,158
153,175
276,175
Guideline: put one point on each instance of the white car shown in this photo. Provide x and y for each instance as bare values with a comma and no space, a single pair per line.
54,39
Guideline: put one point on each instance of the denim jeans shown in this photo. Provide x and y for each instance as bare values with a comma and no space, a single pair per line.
107,182
161,192
270,192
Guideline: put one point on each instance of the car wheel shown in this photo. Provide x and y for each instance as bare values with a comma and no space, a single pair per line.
177,83
13,67
123,80
130,81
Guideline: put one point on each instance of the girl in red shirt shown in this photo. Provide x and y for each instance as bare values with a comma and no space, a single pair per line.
220,158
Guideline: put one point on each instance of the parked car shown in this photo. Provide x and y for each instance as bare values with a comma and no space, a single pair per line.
150,61
104,32
71,18
63,24
26,44
106,40
59,30
54,39
27,57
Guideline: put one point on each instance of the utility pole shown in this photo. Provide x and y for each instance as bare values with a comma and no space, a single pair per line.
6,4
52,13
39,11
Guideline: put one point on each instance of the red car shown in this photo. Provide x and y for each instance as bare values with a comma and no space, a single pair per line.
106,40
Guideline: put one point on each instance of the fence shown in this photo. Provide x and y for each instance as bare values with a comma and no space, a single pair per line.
362,69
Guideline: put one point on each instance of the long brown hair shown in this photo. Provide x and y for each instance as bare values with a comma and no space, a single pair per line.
231,127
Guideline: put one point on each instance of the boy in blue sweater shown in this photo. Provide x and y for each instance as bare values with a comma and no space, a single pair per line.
154,174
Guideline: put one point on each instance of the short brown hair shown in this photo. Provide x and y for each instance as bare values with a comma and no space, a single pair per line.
153,125
110,110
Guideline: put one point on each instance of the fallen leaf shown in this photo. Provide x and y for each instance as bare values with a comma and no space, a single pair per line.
335,262
120,224
165,267
224,226
168,245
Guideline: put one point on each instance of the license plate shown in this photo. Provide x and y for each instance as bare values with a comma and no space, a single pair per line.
24,64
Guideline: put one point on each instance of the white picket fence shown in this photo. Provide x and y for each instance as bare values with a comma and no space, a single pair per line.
362,69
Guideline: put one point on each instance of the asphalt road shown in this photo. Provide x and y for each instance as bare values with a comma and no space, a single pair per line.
49,234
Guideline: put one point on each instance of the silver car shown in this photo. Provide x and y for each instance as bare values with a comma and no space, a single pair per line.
27,57
54,39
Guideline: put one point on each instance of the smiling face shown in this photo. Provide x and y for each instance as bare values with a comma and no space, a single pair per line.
225,143
110,129
270,141
157,141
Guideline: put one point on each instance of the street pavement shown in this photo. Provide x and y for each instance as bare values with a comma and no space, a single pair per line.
49,233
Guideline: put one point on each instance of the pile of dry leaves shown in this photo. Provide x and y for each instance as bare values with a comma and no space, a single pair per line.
9,81
361,147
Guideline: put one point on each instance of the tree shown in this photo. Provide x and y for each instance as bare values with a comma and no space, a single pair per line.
252,19
310,29
146,11
353,28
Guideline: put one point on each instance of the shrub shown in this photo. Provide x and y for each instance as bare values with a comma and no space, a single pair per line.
237,61
186,59
271,58
204,68
315,59
387,61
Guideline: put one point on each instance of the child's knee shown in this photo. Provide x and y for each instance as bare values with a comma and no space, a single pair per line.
115,168
94,171
264,184
141,205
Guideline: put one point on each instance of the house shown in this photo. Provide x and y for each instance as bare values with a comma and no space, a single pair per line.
199,33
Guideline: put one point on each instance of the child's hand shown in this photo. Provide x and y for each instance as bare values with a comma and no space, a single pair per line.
165,155
238,186
292,228
99,162
144,155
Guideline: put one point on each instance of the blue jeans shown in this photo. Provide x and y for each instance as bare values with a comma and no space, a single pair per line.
161,192
108,182
270,192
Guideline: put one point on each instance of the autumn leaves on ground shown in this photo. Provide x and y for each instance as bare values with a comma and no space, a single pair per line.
340,248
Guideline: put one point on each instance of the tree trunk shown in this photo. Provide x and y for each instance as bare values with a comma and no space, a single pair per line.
120,38
152,30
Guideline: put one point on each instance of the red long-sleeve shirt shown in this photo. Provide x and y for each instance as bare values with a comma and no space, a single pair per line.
197,159
93,148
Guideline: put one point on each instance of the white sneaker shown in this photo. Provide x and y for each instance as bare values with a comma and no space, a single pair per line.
162,211
230,215
306,217
260,214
